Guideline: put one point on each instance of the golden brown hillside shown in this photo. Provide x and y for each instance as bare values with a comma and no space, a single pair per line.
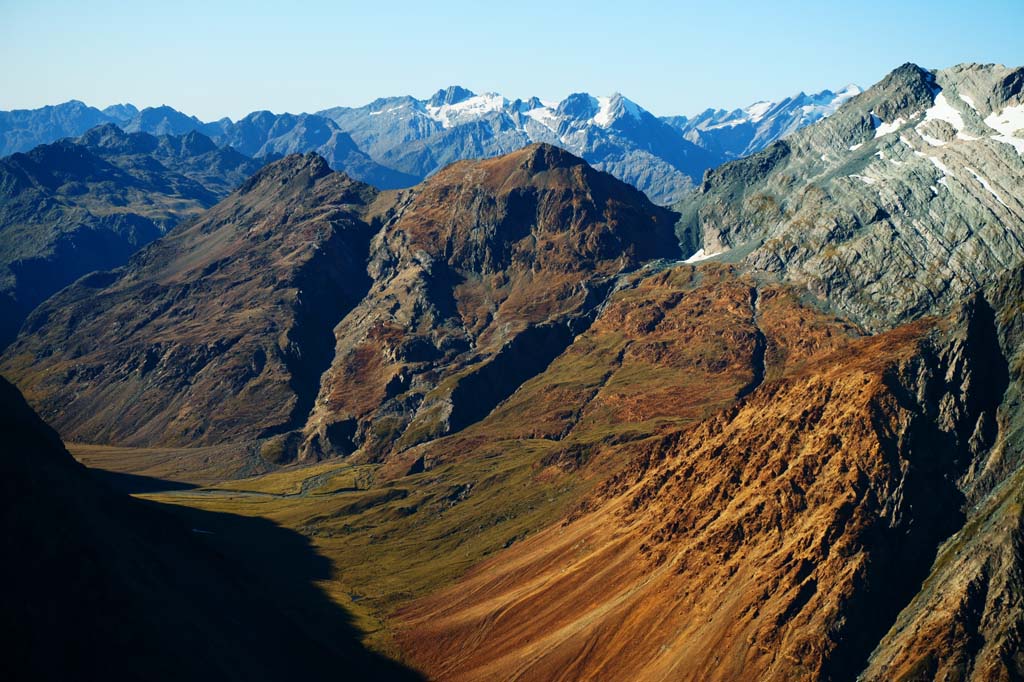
776,539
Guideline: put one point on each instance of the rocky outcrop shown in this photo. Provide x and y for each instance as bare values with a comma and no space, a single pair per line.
898,205
482,276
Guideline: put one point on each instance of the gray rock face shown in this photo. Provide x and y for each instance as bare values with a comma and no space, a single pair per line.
897,206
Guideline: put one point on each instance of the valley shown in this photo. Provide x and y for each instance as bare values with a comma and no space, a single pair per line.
513,417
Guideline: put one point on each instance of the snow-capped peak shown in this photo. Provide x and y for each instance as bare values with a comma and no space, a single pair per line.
466,109
799,110
453,94
756,111
611,109
839,99
848,91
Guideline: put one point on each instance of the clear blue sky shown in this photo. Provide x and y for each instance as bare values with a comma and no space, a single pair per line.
215,59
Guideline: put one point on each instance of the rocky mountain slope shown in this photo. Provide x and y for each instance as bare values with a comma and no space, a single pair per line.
115,588
219,331
777,539
76,206
898,205
857,515
481,277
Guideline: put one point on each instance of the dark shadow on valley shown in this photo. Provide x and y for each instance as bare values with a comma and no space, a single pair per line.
132,484
308,634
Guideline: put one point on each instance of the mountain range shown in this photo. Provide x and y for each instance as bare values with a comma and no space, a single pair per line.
75,206
741,132
537,425
396,142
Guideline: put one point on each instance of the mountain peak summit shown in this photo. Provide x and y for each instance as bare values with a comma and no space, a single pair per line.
541,156
310,166
453,94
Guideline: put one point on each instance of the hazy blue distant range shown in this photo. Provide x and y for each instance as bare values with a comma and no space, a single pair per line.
398,141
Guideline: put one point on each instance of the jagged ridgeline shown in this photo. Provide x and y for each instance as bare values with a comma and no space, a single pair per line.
75,206
398,141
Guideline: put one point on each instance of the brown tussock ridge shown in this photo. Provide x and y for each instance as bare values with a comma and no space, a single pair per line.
667,350
484,266
764,542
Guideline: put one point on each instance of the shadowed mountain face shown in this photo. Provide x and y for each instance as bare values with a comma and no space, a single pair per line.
115,588
217,332
73,207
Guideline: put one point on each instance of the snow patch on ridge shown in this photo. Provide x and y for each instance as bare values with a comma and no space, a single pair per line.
943,168
546,116
1007,122
942,110
756,111
883,128
984,183
392,110
610,109
699,255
